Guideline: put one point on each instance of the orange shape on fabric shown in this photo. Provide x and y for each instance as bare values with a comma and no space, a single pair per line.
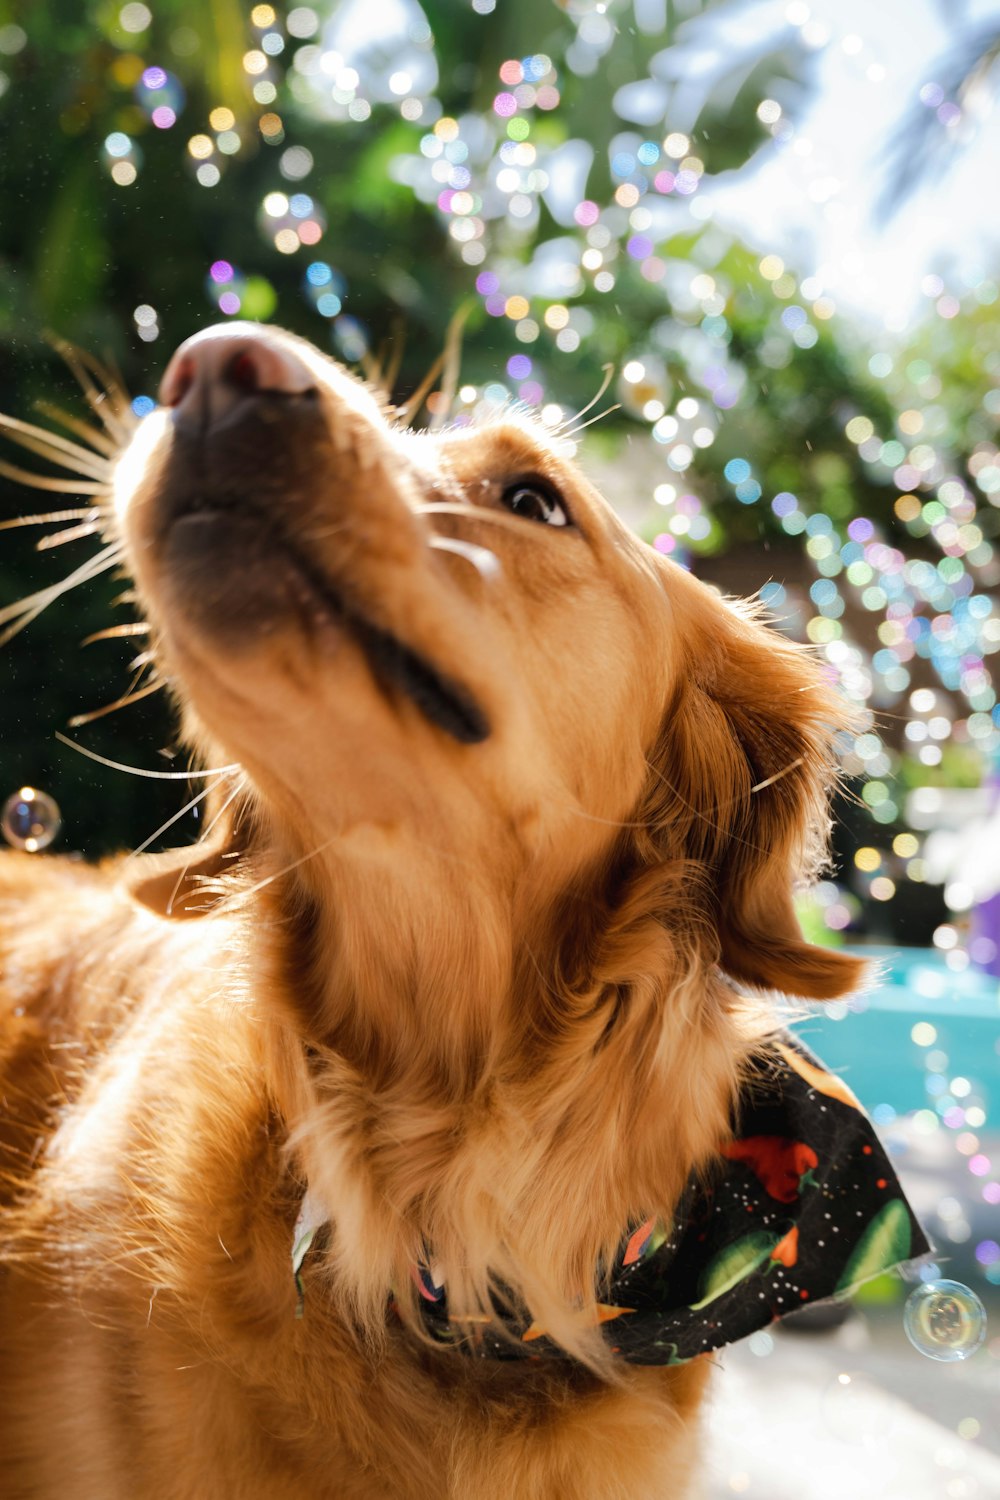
605,1314
638,1242
818,1078
787,1250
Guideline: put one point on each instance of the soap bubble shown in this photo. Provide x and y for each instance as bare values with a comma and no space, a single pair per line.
31,819
944,1320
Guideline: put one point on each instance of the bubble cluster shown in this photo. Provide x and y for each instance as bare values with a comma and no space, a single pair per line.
957,1109
325,287
146,321
160,95
30,820
122,158
292,221
944,1320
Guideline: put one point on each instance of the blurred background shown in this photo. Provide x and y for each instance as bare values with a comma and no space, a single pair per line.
775,221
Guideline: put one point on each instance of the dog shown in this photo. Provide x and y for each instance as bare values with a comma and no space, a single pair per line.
461,986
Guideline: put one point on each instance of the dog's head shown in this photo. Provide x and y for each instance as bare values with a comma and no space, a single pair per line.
447,647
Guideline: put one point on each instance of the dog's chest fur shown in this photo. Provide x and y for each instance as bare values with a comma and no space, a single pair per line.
150,1205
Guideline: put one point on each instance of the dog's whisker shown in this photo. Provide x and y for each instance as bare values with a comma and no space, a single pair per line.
381,369
106,400
451,366
25,610
125,701
116,632
241,897
138,669
239,787
174,889
572,432
448,362
56,486
57,449
485,562
97,468
709,817
50,517
205,883
409,408
20,431
116,426
69,534
580,812
176,817
117,765
792,766
732,801
609,373
390,370
93,436
853,797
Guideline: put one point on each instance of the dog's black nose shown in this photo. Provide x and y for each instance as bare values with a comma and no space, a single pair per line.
213,373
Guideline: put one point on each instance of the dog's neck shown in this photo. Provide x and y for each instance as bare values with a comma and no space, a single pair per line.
401,984
455,1091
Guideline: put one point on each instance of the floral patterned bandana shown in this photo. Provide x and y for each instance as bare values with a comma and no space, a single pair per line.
806,1207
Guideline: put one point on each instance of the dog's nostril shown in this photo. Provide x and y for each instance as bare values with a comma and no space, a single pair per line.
210,374
242,371
183,373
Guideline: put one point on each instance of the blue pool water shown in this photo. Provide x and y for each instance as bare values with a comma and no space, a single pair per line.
921,1049
872,1042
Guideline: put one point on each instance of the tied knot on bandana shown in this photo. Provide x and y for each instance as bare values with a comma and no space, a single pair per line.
803,1206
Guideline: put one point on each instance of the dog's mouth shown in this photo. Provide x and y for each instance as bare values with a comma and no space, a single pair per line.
236,566
395,665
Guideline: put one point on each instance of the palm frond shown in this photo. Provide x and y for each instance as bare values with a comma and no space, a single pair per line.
921,142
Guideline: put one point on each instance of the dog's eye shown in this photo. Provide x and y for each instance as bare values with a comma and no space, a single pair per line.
535,502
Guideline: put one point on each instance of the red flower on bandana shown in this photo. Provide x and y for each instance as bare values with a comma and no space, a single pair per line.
778,1163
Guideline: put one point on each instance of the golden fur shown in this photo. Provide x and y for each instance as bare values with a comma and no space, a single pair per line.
472,994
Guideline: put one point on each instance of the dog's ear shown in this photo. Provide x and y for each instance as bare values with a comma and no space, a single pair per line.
184,883
748,754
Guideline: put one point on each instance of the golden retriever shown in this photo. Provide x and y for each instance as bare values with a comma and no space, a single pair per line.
504,803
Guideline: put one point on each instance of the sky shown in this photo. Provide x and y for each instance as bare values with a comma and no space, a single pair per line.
814,195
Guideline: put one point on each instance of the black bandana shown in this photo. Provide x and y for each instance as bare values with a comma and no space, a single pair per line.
807,1207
